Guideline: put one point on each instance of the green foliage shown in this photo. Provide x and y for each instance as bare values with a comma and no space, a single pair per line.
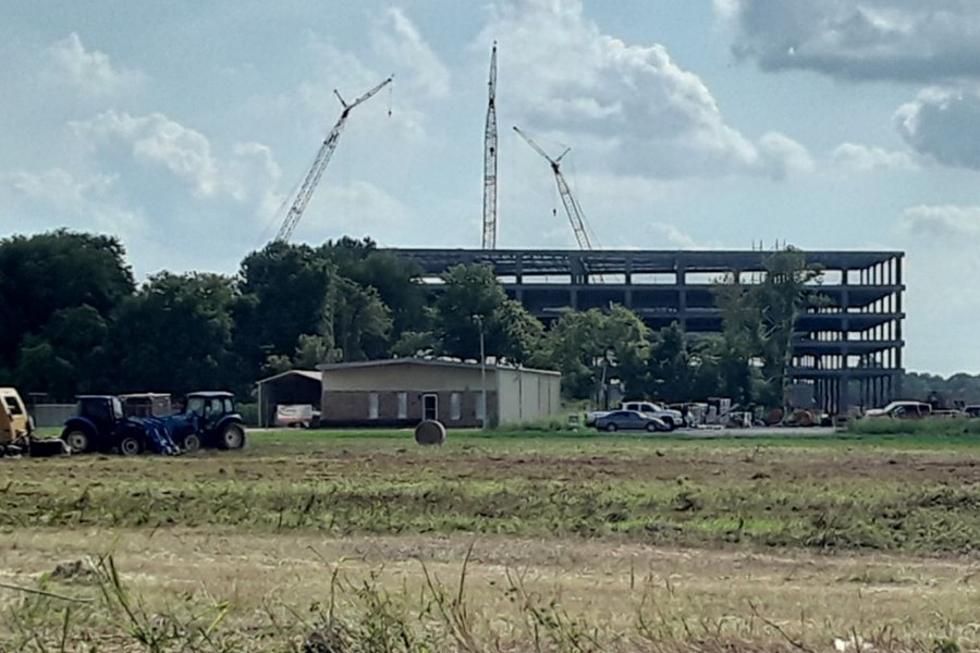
175,334
473,300
758,326
590,348
360,321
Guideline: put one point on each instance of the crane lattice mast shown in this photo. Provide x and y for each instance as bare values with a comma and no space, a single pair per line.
312,178
490,160
572,208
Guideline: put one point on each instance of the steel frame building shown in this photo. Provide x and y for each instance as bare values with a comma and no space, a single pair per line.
849,349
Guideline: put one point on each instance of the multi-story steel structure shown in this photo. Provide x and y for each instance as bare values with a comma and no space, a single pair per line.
849,349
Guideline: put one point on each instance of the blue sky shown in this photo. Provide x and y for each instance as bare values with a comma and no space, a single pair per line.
182,127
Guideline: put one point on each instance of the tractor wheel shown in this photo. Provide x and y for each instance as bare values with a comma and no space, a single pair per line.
611,427
78,441
192,443
130,446
232,437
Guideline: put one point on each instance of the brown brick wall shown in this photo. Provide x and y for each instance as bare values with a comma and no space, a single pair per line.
350,408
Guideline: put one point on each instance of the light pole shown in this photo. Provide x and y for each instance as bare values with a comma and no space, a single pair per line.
483,373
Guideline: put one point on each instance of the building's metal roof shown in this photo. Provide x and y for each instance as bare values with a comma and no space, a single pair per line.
430,362
313,375
638,261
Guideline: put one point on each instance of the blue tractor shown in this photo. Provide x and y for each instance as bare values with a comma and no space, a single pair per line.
209,419
217,422
99,424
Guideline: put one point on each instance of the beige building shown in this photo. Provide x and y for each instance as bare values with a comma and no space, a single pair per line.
404,391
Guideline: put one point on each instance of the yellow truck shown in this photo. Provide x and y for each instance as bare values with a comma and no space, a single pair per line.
17,429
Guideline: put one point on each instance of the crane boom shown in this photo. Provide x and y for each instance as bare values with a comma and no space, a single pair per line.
572,208
315,172
490,160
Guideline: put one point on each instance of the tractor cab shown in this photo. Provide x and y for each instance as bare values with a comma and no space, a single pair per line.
219,422
15,423
100,423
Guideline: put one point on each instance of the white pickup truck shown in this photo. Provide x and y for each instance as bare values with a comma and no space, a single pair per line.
672,418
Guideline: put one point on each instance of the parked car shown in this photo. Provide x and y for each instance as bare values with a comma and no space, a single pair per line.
971,411
630,420
297,415
671,418
901,410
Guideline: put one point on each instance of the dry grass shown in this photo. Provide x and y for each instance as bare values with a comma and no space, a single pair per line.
232,552
274,589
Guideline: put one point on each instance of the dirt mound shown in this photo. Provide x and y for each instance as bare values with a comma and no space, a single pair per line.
77,571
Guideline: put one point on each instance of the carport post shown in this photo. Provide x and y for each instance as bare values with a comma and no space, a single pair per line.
483,373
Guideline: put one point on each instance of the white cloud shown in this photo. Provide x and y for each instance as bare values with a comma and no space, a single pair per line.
158,140
668,236
856,157
357,209
631,107
782,156
397,38
90,71
249,175
943,225
907,40
943,124
60,198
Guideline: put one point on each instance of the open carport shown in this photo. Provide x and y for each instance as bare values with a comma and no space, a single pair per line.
288,388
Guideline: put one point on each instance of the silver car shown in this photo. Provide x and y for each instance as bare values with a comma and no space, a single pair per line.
630,420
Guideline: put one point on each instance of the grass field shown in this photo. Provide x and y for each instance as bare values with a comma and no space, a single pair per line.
356,541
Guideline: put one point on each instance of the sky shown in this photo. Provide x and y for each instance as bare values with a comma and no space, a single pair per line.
184,127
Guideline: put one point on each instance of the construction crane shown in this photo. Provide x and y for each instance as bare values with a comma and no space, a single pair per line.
490,160
572,208
312,178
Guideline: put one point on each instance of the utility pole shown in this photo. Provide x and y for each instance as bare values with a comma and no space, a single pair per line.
483,373
490,160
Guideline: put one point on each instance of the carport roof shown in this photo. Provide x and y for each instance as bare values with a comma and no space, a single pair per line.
433,362
313,375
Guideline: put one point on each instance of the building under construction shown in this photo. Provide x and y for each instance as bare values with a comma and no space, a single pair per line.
849,350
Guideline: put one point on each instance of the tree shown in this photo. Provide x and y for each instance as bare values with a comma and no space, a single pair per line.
590,348
759,322
283,291
520,332
670,374
413,344
175,335
472,299
396,280
360,321
43,274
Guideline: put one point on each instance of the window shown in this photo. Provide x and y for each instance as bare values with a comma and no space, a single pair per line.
372,405
402,405
455,407
430,407
13,406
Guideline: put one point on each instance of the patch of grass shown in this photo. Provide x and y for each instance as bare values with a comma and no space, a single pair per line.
361,614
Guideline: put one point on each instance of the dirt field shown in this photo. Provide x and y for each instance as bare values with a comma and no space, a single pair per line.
578,544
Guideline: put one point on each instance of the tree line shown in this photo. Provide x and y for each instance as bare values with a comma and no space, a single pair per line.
76,321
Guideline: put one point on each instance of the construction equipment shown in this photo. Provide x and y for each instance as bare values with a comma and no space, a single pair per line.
490,160
101,423
572,208
218,422
17,435
312,178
